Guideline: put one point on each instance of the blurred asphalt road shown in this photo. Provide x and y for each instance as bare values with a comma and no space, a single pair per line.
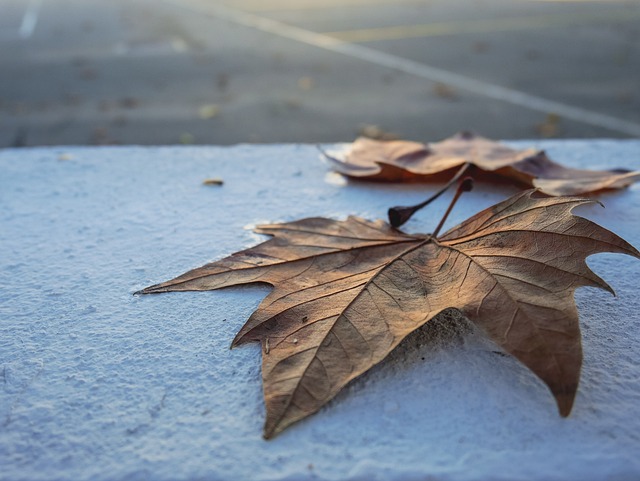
212,72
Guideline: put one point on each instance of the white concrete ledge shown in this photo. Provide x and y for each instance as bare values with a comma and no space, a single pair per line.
96,384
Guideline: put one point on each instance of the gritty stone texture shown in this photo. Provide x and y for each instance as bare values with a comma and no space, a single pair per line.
98,384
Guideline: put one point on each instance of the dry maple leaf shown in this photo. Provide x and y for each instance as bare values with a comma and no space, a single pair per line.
347,292
406,161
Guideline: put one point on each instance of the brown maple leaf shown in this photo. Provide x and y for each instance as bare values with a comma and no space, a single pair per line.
347,292
406,161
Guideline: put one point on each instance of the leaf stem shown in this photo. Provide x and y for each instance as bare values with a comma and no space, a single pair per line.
400,214
465,186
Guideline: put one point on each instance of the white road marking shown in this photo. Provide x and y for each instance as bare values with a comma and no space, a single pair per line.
434,74
30,19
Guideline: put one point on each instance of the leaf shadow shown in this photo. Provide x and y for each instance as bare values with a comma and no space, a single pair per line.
449,330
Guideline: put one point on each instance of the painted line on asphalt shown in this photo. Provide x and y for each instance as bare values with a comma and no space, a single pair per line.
30,19
484,25
434,74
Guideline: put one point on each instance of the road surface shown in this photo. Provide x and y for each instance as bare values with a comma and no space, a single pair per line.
210,72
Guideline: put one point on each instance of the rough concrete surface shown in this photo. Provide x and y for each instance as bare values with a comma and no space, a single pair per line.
98,384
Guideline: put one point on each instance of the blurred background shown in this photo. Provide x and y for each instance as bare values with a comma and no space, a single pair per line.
92,72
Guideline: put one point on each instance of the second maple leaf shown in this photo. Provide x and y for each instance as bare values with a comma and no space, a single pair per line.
406,161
